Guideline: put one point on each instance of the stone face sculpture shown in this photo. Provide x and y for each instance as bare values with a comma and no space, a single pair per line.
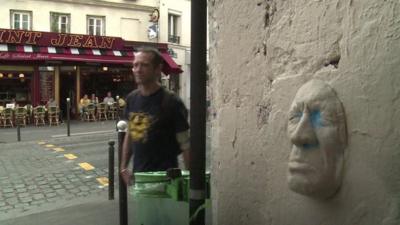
318,133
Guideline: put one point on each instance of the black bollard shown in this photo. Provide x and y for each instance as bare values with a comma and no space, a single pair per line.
18,131
111,170
68,117
123,198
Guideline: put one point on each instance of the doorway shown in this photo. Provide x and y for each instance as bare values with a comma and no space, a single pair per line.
68,90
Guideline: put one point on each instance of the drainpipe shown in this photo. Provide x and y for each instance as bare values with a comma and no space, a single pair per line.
198,110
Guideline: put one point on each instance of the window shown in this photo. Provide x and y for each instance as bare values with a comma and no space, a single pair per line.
173,28
96,25
21,20
60,22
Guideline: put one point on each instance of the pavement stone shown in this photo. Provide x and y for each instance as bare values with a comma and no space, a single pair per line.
23,195
38,196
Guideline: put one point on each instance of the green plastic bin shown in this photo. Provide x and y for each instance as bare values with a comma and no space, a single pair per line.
159,200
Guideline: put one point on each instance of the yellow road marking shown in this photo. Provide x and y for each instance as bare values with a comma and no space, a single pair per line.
41,143
70,156
49,146
58,149
103,181
86,166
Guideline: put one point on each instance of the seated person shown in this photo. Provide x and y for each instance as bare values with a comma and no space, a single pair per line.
51,102
121,102
83,103
109,100
94,99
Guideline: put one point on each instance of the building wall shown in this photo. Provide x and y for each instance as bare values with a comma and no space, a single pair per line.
119,15
182,50
261,52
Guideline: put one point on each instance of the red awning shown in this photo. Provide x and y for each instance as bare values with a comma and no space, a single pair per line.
170,67
16,56
33,53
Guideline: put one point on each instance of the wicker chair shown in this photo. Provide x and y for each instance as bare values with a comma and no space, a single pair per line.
20,115
113,111
29,113
89,113
39,113
7,117
53,114
102,111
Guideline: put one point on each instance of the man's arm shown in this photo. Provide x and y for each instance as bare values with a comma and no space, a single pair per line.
186,158
184,144
126,155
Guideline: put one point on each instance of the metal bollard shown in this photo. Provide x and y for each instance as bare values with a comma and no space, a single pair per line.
18,131
68,116
123,198
111,170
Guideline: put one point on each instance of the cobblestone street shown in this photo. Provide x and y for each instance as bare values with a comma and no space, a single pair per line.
38,175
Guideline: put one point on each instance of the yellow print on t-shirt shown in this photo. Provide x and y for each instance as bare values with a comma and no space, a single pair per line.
139,124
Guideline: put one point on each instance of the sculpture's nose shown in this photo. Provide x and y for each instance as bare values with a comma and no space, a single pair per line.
304,135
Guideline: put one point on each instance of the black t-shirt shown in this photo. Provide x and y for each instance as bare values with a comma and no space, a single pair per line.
153,122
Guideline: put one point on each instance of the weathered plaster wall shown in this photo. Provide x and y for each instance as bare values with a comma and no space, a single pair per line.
261,52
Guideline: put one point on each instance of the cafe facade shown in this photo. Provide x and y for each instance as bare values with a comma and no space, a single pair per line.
36,67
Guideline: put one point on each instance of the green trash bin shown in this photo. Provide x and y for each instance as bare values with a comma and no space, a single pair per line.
160,200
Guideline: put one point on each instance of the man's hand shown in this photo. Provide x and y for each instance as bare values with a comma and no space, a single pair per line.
127,177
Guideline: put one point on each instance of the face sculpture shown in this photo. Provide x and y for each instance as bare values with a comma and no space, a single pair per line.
317,131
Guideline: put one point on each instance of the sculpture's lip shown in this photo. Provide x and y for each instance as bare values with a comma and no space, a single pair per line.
296,166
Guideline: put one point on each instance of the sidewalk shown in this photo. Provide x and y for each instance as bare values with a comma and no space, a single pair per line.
33,133
102,212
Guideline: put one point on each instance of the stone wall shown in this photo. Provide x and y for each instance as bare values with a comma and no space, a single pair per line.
261,53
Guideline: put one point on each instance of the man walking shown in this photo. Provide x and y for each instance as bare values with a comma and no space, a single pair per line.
157,121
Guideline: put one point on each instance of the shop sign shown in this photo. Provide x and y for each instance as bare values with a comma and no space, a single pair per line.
22,56
46,39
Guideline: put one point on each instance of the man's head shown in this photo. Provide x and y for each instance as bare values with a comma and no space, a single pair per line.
147,65
317,131
109,94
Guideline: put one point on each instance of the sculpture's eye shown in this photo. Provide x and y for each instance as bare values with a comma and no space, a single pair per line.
316,119
295,116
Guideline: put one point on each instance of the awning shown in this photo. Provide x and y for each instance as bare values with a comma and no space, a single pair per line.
51,54
170,67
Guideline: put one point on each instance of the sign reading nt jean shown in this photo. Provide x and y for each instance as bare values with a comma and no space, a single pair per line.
38,38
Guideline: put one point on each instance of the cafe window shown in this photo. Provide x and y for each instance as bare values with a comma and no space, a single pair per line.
96,25
60,22
21,20
16,86
174,28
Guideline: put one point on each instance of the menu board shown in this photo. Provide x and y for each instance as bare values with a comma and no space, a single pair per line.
46,86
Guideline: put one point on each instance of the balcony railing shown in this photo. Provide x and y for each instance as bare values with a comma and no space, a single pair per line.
174,39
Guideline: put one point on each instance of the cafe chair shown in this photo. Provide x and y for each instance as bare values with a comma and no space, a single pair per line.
39,113
102,111
7,117
113,111
53,114
89,113
29,113
20,116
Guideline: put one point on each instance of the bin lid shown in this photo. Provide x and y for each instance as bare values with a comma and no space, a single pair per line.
151,177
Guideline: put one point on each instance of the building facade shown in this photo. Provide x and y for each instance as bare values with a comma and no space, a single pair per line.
61,49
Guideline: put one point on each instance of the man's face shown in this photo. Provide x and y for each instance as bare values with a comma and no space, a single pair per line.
143,69
316,119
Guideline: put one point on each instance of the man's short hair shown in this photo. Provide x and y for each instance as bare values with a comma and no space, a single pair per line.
157,57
